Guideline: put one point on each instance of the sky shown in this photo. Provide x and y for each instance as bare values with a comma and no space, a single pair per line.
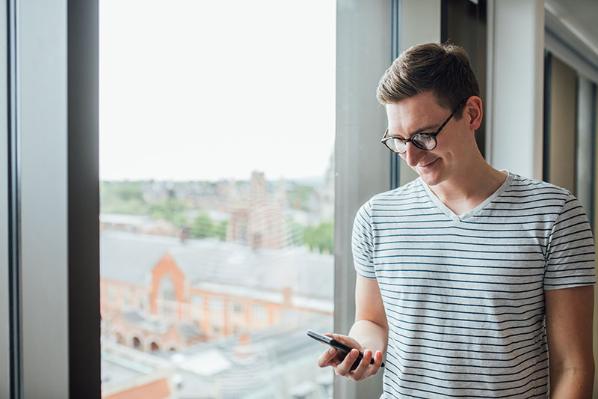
206,90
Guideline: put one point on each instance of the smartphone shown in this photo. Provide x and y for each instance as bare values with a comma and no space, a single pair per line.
340,346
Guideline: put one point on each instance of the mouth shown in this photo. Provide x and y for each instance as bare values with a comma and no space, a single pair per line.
429,164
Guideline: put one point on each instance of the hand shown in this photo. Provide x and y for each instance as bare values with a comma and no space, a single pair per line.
341,362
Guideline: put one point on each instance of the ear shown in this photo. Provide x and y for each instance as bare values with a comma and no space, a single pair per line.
473,112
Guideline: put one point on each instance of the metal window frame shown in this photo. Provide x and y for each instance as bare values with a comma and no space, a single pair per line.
5,215
546,115
84,200
395,51
362,164
50,186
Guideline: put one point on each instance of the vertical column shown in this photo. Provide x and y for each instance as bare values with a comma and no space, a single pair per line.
362,164
585,149
42,129
4,170
515,81
83,273
595,183
560,132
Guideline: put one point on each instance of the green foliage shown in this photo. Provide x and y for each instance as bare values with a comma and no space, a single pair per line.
320,238
204,227
171,210
201,227
220,230
123,198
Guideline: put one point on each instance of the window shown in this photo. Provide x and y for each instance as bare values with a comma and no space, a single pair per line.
211,214
55,86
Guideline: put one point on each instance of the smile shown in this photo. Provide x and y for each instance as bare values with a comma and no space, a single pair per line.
429,163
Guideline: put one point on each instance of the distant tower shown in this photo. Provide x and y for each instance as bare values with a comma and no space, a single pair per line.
259,221
259,189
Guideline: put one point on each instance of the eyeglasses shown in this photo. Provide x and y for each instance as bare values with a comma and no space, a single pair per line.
424,141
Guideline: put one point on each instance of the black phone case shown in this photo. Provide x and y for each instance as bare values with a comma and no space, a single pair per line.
335,344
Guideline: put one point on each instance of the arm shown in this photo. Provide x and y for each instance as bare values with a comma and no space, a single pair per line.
371,327
368,334
569,315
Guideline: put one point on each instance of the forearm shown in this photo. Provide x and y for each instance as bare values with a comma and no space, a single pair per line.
572,383
370,335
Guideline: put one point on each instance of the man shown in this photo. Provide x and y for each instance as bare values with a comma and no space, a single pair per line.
468,278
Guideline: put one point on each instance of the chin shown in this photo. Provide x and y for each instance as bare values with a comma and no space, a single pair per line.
431,177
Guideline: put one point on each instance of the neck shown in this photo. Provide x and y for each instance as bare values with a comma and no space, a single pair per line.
475,180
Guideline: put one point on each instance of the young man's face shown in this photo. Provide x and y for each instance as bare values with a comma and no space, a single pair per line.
421,113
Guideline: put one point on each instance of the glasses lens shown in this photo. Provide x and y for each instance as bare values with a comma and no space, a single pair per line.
396,145
424,141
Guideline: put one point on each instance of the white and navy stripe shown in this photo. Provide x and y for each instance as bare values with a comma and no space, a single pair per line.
464,295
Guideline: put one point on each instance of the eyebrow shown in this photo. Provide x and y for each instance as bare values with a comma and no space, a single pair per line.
428,128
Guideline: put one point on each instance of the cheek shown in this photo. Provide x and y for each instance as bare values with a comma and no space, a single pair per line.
447,146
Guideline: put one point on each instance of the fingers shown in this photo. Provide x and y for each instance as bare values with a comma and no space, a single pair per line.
373,368
378,360
328,358
342,364
365,369
344,368
359,372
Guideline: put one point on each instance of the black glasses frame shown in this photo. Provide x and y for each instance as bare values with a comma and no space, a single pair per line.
433,135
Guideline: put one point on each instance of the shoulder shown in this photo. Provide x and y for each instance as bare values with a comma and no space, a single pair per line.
525,187
409,193
396,199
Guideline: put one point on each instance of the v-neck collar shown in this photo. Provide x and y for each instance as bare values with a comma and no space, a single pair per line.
472,212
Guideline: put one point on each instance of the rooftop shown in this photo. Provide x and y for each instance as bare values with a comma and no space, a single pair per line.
131,257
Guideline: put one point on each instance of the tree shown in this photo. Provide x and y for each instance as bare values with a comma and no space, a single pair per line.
320,237
171,210
202,226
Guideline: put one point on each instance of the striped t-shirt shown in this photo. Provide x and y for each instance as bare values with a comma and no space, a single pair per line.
463,294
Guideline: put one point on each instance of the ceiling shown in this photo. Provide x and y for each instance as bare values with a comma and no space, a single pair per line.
574,22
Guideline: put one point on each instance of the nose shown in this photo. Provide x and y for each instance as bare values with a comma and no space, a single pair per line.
412,155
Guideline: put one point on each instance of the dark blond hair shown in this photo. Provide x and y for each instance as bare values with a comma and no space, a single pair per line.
440,68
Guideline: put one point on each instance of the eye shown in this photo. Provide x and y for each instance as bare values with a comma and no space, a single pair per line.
423,137
424,140
399,139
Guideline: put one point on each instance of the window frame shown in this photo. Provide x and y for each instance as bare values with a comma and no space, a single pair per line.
5,309
54,124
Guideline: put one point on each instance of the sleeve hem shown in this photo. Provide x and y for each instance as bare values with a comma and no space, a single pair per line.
572,285
364,272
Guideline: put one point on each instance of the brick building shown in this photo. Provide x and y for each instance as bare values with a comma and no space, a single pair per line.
161,294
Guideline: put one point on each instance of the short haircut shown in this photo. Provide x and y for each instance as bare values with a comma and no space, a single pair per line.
440,68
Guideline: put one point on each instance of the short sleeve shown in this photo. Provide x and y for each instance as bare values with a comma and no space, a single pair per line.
570,254
362,242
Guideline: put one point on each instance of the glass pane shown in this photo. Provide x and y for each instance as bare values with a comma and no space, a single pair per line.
217,139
